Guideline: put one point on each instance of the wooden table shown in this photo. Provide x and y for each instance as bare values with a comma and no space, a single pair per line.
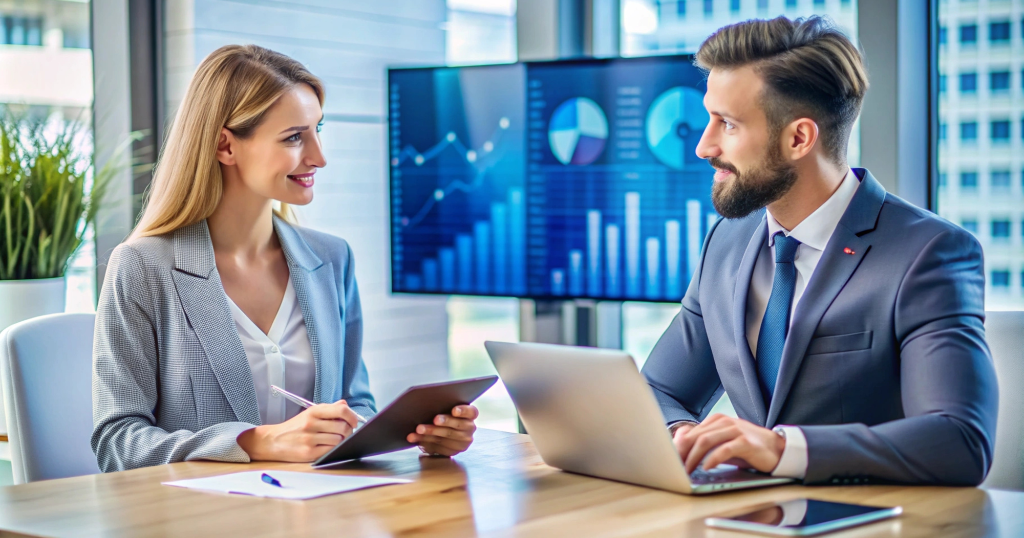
500,487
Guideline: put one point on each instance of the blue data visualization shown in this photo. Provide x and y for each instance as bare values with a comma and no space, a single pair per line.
458,204
569,179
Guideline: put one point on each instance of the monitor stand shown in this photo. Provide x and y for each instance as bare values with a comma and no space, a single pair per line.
574,322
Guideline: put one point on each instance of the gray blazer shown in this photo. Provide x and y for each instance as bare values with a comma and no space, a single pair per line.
885,366
171,381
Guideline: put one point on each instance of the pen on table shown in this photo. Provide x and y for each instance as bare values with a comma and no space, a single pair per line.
270,480
302,402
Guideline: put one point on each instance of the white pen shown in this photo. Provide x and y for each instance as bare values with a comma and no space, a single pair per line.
299,400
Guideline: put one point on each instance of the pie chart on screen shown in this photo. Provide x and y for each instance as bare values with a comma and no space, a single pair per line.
675,123
578,131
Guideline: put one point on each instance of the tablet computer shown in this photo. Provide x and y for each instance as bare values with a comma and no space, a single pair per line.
387,430
801,517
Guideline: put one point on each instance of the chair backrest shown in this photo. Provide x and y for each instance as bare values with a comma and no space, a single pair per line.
1005,334
46,376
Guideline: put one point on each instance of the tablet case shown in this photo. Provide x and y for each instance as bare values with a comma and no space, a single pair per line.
387,430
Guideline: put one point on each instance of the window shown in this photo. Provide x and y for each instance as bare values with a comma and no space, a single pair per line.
969,131
819,4
942,35
942,131
970,225
968,82
968,34
64,95
734,6
709,7
999,162
969,181
1000,180
1001,229
999,32
1000,278
790,4
480,31
681,8
942,84
18,30
1000,131
943,180
999,81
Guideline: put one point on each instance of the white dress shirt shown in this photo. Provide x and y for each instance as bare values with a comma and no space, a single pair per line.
281,357
813,233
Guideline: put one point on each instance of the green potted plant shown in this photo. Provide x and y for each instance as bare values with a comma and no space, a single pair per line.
48,196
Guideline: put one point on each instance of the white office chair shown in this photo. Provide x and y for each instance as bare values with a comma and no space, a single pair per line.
1005,333
46,376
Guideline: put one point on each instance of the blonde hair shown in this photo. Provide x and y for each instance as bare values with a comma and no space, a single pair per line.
233,88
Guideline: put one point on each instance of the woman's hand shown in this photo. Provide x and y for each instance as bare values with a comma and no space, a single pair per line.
303,438
449,434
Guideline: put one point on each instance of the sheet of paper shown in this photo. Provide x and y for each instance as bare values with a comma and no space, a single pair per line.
294,485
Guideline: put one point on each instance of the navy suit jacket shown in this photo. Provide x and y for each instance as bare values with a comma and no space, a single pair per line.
885,367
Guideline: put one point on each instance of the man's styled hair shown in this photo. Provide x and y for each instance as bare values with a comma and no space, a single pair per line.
810,69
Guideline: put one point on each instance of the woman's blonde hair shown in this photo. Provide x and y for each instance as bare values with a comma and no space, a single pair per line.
233,88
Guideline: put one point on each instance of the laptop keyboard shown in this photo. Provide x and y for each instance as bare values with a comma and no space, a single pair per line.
700,476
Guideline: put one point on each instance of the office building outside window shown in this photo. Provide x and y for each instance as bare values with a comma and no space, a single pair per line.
969,83
969,131
989,153
999,81
1001,181
999,33
968,34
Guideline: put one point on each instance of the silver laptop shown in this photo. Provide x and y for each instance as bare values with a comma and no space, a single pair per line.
590,411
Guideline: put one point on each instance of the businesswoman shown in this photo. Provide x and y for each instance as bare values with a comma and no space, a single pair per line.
217,294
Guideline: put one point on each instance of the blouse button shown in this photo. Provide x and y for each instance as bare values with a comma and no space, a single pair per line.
273,349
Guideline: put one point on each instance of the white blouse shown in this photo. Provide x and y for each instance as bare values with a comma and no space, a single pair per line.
282,357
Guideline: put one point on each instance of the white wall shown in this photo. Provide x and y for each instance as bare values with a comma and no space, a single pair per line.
348,44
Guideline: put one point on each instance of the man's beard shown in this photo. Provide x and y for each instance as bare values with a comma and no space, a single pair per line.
755,188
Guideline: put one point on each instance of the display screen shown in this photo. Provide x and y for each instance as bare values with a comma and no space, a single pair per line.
553,180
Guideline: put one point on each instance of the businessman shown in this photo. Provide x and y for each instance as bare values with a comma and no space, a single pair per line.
845,324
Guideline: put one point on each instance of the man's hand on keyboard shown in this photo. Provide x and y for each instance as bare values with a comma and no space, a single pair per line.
724,439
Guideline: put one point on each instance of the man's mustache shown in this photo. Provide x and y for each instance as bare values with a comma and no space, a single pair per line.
722,165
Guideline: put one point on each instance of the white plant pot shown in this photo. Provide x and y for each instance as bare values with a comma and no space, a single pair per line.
25,299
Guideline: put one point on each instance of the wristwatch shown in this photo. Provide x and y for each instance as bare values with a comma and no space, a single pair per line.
675,426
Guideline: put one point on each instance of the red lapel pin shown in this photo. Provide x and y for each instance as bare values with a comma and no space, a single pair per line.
848,250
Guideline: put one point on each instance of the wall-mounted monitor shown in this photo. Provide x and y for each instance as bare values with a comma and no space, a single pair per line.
549,180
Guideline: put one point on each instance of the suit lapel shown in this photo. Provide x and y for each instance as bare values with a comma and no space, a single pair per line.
317,294
206,307
739,320
843,254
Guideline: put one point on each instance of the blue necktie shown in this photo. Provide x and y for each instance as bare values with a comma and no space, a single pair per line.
772,338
